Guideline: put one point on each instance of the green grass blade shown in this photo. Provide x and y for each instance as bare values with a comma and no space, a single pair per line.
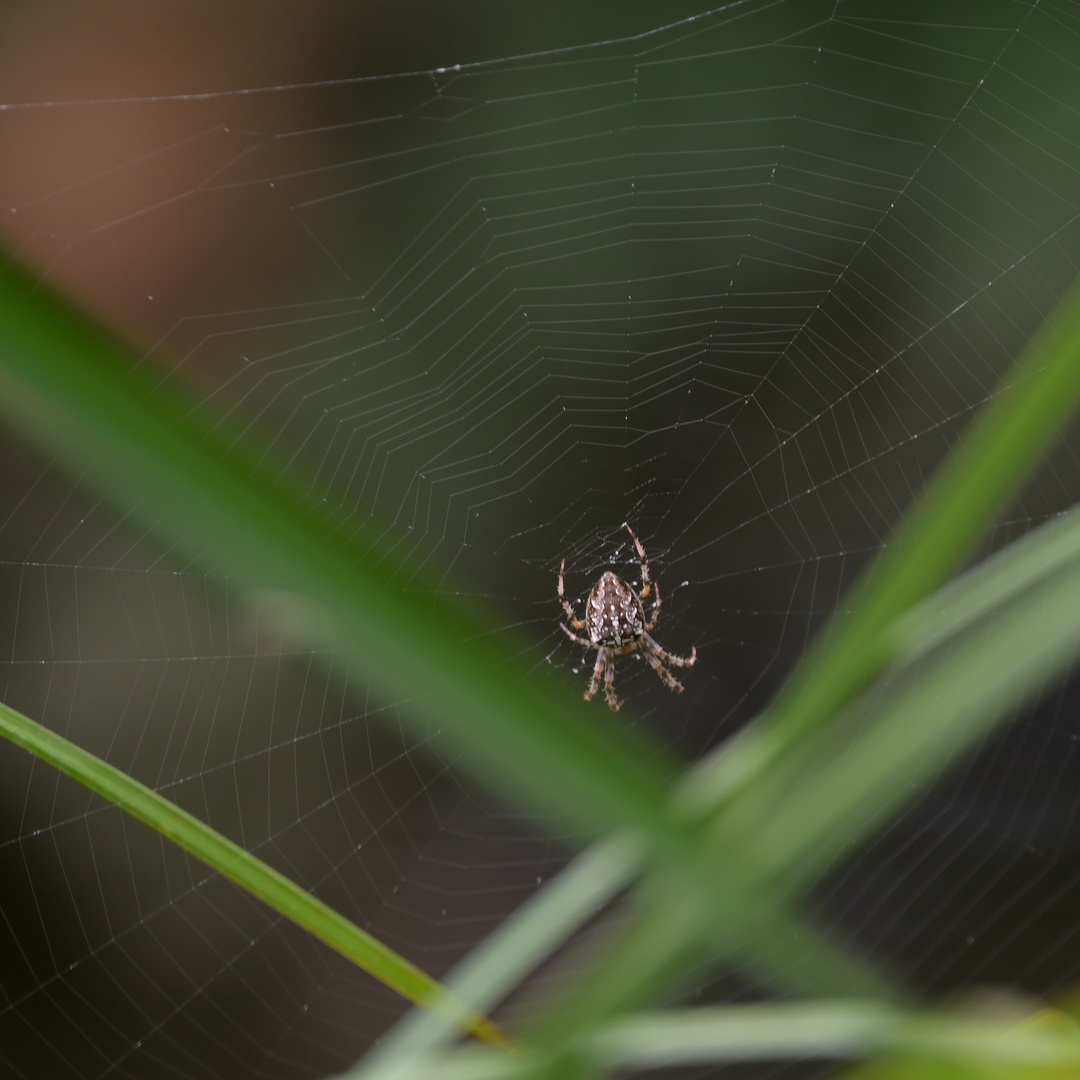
884,750
229,859
66,385
996,581
996,452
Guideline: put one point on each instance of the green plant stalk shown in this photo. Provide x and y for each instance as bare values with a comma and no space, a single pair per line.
68,386
238,865
995,453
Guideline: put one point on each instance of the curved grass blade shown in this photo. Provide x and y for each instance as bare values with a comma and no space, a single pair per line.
262,881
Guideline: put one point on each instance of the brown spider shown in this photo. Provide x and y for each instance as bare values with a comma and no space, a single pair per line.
615,620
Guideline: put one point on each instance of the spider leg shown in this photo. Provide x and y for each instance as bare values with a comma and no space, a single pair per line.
668,658
668,679
598,668
646,585
655,614
644,562
575,622
609,681
577,640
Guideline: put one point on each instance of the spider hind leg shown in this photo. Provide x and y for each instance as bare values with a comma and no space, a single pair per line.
614,704
666,677
649,646
597,671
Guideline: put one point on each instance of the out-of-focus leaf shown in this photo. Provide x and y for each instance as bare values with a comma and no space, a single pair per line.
995,453
1006,645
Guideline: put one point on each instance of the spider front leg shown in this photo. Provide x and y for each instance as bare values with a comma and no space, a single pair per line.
655,614
575,639
646,585
644,562
575,622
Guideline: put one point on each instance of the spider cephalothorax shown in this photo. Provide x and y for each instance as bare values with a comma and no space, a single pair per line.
615,623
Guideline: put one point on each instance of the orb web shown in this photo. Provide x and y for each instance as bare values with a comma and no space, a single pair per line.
739,279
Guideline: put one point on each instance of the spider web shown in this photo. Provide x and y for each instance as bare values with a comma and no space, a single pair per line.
500,284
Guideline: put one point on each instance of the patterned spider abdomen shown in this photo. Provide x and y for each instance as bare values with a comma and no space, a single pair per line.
613,612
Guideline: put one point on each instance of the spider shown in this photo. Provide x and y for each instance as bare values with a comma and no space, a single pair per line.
615,621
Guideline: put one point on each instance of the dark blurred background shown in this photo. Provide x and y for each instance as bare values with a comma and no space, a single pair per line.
500,278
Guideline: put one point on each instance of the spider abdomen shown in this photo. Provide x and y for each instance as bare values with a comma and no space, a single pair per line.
613,612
